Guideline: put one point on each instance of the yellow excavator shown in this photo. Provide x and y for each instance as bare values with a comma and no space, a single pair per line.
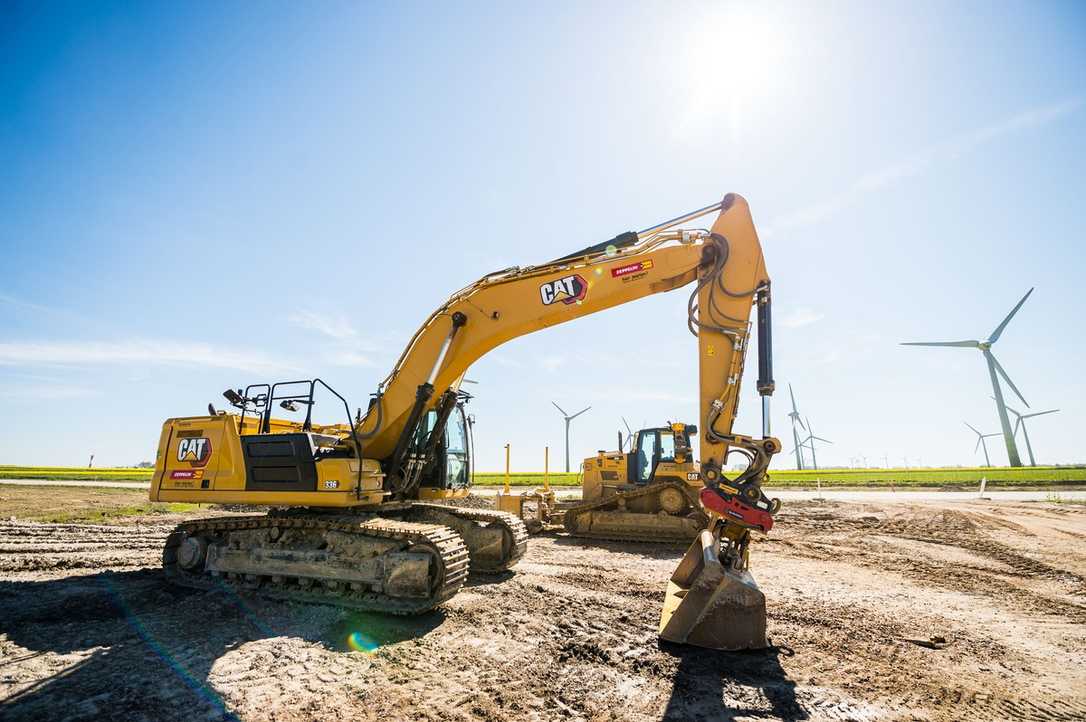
649,493
355,515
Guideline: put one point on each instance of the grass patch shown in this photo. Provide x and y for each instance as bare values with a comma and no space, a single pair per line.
1004,477
98,505
1055,498
113,514
497,478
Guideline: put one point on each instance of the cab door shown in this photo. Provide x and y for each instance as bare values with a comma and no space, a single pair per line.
457,451
646,455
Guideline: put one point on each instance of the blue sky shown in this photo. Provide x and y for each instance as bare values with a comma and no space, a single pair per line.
198,196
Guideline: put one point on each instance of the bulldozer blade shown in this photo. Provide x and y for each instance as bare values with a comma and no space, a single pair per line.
710,606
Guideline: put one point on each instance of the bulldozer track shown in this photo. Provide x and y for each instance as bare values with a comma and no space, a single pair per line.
649,535
518,532
444,542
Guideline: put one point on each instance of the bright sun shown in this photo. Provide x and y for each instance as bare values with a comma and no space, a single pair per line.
731,64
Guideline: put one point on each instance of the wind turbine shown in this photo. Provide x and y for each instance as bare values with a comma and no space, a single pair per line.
569,418
1021,421
795,417
810,443
985,348
981,442
629,435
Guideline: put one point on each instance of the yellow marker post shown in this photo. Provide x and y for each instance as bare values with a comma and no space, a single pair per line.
507,468
546,468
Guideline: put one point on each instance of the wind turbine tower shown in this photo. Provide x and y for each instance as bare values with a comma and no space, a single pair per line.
796,419
981,442
569,418
810,441
1021,421
994,368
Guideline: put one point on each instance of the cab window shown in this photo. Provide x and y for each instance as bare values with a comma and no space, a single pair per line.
456,451
667,447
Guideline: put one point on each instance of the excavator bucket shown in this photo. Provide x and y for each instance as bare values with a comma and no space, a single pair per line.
710,606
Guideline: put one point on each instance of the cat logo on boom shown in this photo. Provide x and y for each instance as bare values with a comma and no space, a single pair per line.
195,451
570,289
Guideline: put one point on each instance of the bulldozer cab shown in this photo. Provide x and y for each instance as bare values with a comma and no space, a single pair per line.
652,447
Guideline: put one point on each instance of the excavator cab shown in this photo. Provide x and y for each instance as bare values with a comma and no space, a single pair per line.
450,467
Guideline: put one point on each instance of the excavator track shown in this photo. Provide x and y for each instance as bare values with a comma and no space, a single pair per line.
607,518
383,543
490,553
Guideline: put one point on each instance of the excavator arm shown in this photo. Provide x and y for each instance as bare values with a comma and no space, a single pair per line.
711,599
725,263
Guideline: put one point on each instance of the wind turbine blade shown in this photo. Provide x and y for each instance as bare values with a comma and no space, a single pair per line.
1007,378
1040,413
972,427
1008,408
560,409
627,424
822,440
1017,423
999,329
793,395
978,444
580,412
956,344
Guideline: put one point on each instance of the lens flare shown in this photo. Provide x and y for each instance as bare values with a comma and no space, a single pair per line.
359,642
610,250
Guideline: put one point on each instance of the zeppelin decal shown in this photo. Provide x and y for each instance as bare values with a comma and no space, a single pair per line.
570,289
629,268
187,474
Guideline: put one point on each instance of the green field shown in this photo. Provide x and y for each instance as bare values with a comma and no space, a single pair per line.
1003,477
74,473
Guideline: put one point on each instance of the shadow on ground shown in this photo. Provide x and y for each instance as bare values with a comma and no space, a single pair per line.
713,685
143,649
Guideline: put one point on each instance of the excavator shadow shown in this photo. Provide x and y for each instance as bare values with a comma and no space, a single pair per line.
127,645
716,685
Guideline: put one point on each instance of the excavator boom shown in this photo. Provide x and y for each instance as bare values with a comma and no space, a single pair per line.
726,262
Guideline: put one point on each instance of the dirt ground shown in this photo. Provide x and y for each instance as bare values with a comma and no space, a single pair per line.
90,630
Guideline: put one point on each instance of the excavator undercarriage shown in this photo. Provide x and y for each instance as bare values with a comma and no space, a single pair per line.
402,559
